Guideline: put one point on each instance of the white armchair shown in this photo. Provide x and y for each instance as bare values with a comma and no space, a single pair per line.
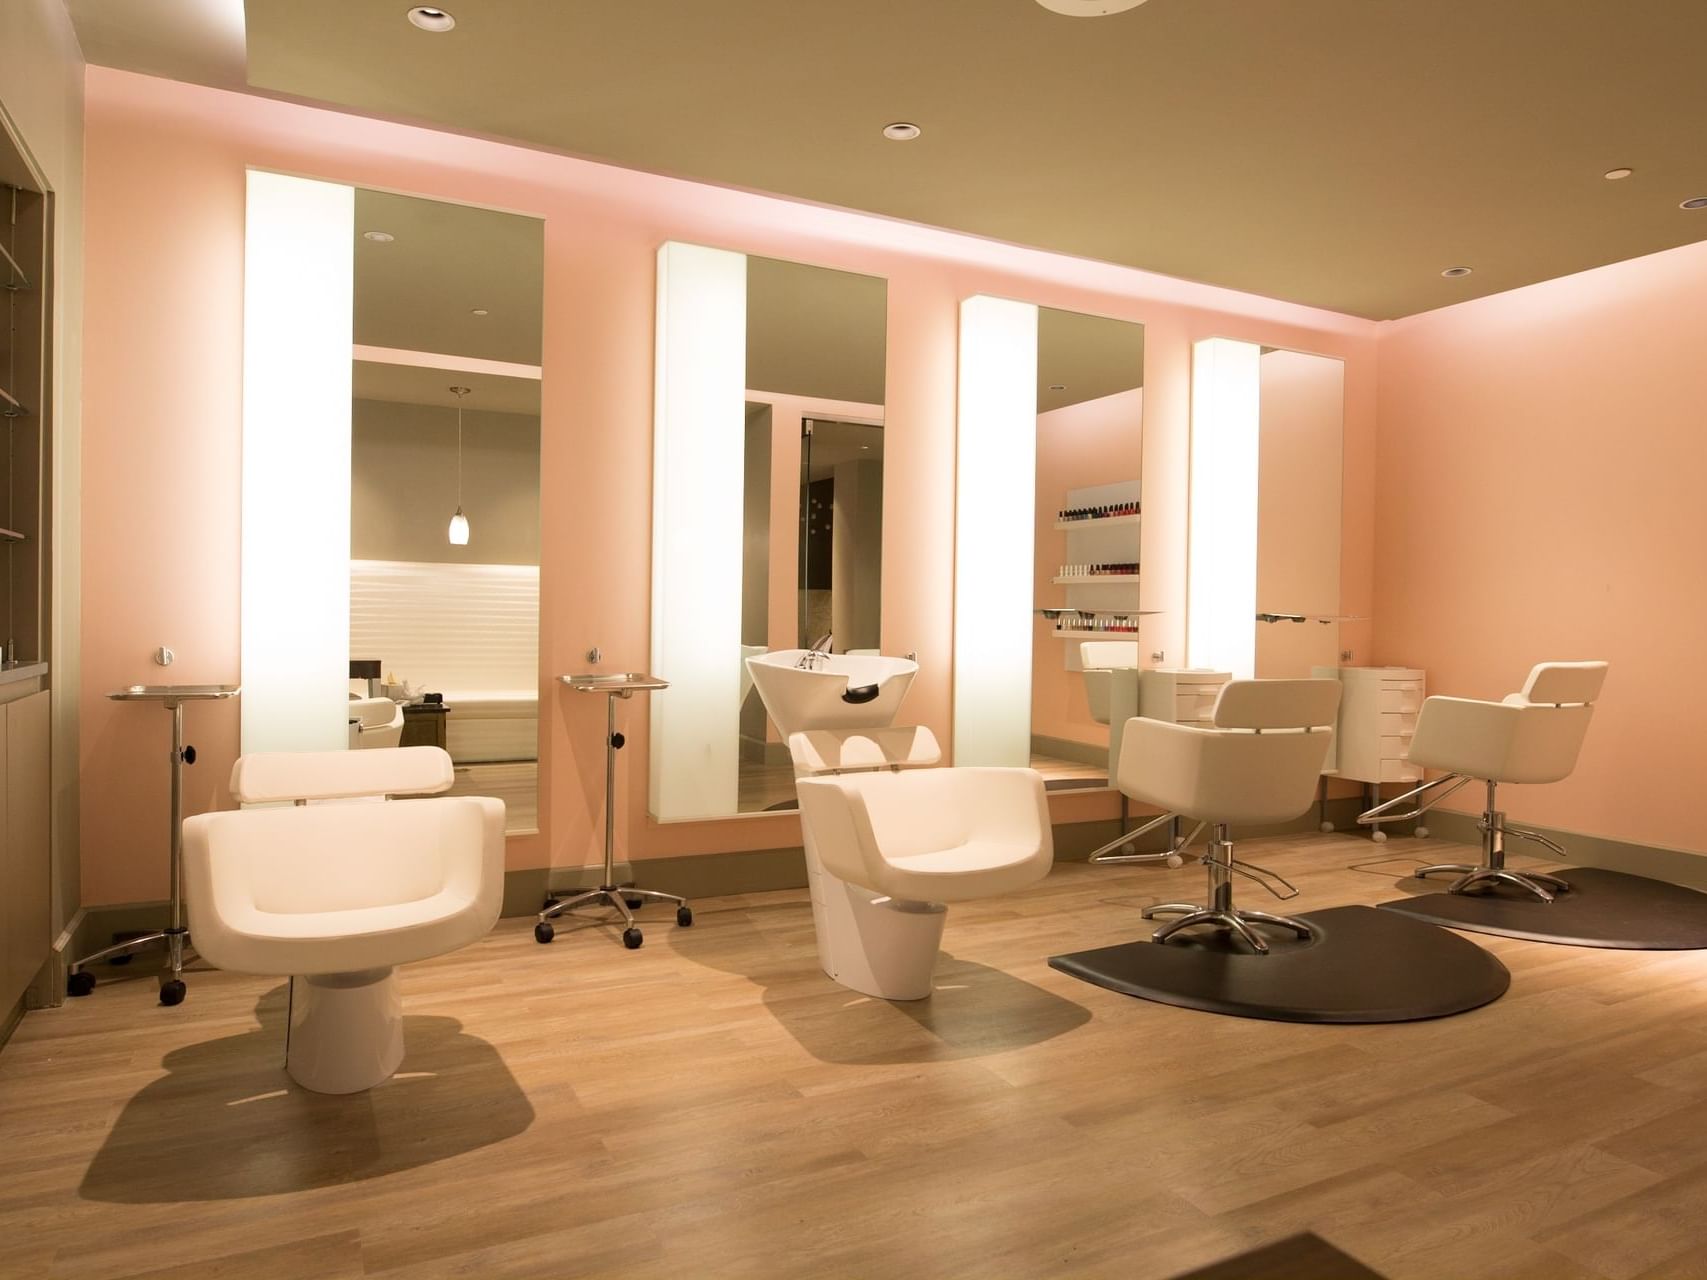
889,842
1260,764
340,892
1532,736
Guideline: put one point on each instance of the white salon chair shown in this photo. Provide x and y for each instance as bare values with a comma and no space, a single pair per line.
337,893
890,841
1259,764
1532,736
375,722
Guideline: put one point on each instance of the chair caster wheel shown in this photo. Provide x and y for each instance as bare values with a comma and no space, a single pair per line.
634,904
79,984
684,916
1175,862
1380,837
543,933
632,938
172,992
1326,827
1422,833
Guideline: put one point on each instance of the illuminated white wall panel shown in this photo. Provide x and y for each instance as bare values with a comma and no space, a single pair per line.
1221,581
698,451
995,497
298,277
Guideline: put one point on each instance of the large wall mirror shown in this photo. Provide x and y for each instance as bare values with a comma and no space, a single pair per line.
391,480
767,509
1264,575
1049,514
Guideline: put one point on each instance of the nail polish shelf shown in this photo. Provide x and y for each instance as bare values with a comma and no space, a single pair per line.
1105,522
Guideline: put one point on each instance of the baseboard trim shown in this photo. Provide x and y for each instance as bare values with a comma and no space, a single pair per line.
10,1020
1657,862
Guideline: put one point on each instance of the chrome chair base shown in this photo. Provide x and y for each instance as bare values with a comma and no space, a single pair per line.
1540,885
1234,919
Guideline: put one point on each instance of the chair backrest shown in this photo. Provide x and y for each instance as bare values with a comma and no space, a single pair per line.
1530,737
268,777
1222,775
1561,684
1277,704
346,857
829,751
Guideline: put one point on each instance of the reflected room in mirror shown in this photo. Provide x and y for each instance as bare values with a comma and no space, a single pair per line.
1263,578
444,492
1300,432
767,523
1090,415
812,563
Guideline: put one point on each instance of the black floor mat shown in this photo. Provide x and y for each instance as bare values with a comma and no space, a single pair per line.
1603,909
1363,965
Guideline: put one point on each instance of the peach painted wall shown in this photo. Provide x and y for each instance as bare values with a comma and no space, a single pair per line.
1094,442
1542,456
163,339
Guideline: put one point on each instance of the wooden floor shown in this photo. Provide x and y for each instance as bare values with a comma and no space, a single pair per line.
713,1106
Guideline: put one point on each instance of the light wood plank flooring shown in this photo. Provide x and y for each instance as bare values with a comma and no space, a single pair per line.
713,1106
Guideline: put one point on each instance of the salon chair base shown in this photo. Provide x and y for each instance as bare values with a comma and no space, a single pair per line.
346,1030
877,946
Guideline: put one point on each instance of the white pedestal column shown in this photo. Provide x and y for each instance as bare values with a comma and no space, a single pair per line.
346,1030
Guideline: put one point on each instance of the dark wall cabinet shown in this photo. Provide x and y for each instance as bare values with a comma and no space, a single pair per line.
24,857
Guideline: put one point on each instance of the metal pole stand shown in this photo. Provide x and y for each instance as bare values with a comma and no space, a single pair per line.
624,898
176,934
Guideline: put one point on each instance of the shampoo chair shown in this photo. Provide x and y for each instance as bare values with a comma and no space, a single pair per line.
339,892
1531,736
890,841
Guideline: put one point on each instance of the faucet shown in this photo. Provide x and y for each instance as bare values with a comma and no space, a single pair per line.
816,655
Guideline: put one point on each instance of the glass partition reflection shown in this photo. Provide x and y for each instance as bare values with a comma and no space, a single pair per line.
445,491
1090,438
806,441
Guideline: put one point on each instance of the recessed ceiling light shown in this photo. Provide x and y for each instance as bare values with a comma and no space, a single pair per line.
378,237
901,131
479,311
1089,8
1057,386
428,18
1452,273
1613,175
1694,202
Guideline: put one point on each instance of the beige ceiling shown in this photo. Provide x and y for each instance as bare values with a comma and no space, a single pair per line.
411,384
1087,356
1335,152
815,332
418,291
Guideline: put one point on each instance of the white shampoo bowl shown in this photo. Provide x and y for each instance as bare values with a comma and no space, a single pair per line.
846,691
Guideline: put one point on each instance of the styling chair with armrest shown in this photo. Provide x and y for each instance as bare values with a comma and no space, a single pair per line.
1532,736
339,892
1260,764
890,841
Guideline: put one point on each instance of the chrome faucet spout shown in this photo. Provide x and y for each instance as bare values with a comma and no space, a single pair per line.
819,652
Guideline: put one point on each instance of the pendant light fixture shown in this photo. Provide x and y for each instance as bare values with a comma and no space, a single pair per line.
459,522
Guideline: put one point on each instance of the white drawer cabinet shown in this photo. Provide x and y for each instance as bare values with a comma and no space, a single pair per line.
1378,715
1180,696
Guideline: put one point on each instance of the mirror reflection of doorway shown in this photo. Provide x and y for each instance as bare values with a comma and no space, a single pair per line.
841,534
445,423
